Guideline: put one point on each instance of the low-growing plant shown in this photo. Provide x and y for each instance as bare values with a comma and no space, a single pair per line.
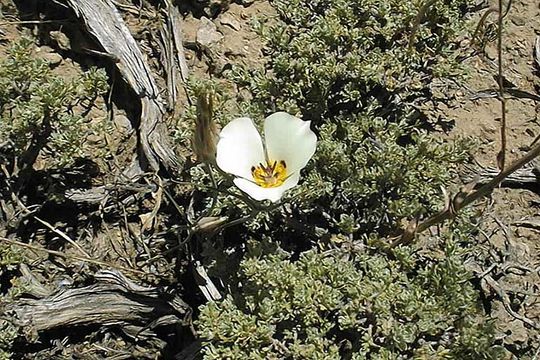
42,113
10,259
354,70
376,172
340,56
372,171
354,304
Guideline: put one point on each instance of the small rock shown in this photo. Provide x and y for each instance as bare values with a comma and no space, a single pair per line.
233,52
517,20
61,40
229,20
123,123
53,59
93,139
491,53
50,55
488,128
44,49
442,107
207,34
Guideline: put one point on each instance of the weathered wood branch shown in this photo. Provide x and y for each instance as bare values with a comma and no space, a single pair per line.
526,176
100,194
172,53
105,24
112,300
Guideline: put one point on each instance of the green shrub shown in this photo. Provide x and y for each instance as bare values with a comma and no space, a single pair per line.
42,113
10,258
354,69
327,57
370,170
350,305
363,171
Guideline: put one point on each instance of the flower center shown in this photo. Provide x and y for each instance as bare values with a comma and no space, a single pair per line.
272,175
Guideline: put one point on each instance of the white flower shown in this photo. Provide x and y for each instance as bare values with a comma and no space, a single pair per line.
266,171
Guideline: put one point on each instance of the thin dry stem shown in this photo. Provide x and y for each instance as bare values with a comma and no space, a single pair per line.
501,157
419,17
63,235
72,257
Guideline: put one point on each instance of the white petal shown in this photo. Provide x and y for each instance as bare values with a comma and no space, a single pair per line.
259,193
289,138
239,148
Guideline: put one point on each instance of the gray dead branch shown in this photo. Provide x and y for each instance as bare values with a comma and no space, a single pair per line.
113,300
527,224
109,196
102,20
514,93
172,53
503,296
526,176
205,284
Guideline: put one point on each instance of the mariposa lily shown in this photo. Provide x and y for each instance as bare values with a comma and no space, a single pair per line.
266,169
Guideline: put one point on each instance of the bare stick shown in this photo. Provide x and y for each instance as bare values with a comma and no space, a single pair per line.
480,25
506,302
63,236
483,19
65,256
501,156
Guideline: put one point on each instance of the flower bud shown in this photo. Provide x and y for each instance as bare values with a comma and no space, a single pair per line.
206,132
210,223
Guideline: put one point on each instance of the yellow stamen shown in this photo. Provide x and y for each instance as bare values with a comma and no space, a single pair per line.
272,175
